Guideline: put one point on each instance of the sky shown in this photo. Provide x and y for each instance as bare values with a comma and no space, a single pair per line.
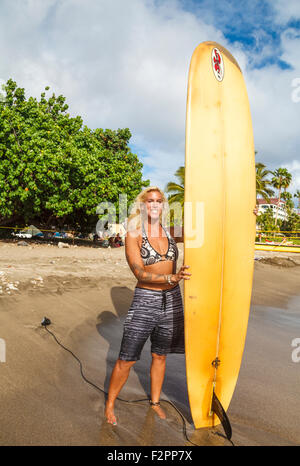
124,63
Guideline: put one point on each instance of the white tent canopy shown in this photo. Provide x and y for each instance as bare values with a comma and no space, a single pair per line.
113,229
33,230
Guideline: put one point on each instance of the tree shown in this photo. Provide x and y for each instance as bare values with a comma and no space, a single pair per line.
177,189
297,195
177,196
289,204
292,223
281,179
266,220
52,169
262,184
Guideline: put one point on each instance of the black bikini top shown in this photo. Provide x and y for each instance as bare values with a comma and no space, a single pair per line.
151,256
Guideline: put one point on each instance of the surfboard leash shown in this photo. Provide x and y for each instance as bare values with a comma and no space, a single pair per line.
46,322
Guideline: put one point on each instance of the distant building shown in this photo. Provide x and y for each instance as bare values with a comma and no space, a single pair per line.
263,205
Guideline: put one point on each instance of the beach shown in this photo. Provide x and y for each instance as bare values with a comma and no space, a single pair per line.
86,292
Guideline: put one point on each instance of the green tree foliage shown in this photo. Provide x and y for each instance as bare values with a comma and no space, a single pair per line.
177,196
52,169
297,195
292,223
176,188
289,204
262,183
267,221
281,179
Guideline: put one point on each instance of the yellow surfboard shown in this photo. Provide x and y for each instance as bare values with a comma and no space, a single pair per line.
219,227
274,248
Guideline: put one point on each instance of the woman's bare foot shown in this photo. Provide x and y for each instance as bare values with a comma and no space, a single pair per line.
110,416
159,411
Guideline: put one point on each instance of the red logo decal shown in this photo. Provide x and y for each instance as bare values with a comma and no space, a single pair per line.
217,63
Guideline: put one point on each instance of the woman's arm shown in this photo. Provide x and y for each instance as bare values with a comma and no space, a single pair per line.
136,264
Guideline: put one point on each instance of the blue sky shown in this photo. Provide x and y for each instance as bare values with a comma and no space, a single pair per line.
250,23
124,63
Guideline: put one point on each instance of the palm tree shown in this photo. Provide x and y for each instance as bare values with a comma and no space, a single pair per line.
262,188
287,180
297,194
281,179
177,189
177,196
287,197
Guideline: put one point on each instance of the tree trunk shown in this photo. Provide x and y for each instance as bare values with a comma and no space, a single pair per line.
4,222
49,220
61,223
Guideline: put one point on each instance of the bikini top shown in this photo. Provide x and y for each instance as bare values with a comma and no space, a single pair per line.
151,256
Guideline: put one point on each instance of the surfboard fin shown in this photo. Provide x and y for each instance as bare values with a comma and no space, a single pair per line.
218,409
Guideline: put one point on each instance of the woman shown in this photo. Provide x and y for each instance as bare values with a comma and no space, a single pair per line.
156,310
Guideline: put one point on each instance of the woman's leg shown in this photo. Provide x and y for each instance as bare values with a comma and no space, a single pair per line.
117,380
157,374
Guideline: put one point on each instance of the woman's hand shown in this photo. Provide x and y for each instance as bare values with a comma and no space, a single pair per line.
255,210
176,277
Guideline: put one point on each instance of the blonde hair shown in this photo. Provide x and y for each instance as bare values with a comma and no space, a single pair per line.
138,213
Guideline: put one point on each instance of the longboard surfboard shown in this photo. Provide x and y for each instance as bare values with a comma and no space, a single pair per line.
219,227
270,247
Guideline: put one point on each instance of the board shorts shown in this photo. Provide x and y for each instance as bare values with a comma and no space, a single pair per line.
154,313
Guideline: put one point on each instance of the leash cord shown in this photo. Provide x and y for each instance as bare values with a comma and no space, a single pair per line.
120,399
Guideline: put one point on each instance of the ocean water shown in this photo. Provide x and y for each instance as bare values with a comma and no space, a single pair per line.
266,404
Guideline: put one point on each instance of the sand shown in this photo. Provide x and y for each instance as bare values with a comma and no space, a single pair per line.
86,293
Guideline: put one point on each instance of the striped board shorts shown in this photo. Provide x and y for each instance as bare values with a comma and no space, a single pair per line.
154,313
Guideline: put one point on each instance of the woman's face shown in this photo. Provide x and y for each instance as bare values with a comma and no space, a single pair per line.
154,204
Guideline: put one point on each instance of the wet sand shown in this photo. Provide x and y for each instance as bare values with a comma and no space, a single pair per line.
86,293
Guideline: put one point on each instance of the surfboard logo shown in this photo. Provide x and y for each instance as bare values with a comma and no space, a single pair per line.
217,64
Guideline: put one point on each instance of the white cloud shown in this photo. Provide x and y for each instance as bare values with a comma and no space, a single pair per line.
125,64
290,40
294,167
118,63
286,10
275,113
